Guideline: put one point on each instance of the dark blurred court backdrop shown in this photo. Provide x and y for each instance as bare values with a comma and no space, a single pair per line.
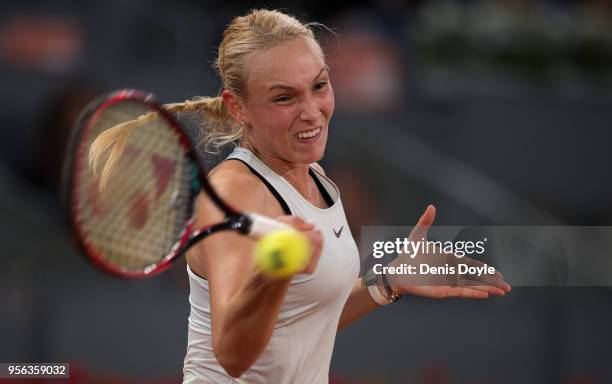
498,112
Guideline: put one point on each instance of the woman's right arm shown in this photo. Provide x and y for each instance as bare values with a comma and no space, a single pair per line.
244,303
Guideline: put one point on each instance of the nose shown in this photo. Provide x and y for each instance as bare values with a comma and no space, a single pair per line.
310,109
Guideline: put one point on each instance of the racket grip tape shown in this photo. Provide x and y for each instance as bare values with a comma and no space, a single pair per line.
262,225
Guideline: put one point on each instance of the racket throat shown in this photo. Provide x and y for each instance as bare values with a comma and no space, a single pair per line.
241,224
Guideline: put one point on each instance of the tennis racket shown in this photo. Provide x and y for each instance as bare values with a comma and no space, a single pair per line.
142,218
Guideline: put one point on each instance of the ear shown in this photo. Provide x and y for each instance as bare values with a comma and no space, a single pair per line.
234,105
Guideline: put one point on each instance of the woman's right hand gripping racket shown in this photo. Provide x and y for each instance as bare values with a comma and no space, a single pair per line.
132,178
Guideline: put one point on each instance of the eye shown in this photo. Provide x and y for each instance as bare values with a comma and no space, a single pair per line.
282,99
320,85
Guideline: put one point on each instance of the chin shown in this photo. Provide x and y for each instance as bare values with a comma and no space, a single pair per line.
314,155
307,153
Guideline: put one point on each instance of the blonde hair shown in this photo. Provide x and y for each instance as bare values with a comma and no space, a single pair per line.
256,31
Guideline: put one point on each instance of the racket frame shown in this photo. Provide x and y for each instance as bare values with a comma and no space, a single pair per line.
234,220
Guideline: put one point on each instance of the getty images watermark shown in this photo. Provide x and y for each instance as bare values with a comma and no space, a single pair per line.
409,248
469,255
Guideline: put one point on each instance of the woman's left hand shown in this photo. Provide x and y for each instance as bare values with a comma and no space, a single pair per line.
491,284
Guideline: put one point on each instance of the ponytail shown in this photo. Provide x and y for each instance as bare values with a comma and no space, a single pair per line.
219,129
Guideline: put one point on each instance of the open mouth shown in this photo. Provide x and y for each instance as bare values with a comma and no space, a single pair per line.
311,135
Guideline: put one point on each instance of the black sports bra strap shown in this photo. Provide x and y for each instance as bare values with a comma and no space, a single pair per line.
321,188
278,197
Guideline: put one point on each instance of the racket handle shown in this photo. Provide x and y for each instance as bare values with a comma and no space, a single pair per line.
262,225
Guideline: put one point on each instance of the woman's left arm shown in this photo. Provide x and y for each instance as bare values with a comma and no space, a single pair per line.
360,301
359,304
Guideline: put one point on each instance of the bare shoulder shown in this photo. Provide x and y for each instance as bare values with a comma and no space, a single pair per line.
231,175
238,186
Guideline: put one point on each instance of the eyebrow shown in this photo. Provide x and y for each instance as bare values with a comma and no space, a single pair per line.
281,86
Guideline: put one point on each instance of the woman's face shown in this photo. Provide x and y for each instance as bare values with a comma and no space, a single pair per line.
288,101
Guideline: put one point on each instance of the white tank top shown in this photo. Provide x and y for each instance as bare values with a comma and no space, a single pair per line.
303,339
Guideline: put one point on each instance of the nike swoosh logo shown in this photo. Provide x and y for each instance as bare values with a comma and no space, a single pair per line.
339,232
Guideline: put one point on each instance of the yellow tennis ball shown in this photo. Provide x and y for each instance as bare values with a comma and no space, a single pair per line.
282,253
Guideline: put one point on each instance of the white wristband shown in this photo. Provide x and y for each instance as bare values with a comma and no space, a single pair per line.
377,296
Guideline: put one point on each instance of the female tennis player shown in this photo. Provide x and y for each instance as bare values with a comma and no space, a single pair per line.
276,105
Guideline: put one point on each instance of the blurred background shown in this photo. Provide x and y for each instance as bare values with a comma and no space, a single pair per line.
499,112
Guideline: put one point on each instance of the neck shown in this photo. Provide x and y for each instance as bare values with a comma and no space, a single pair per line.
296,174
282,167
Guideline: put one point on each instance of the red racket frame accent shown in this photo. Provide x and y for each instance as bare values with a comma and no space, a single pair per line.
72,169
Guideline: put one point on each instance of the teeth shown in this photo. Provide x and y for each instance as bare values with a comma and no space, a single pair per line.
309,134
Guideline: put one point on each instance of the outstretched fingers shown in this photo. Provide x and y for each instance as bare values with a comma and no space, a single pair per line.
467,292
425,222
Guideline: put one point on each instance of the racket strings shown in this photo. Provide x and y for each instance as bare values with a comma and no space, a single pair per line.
136,219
